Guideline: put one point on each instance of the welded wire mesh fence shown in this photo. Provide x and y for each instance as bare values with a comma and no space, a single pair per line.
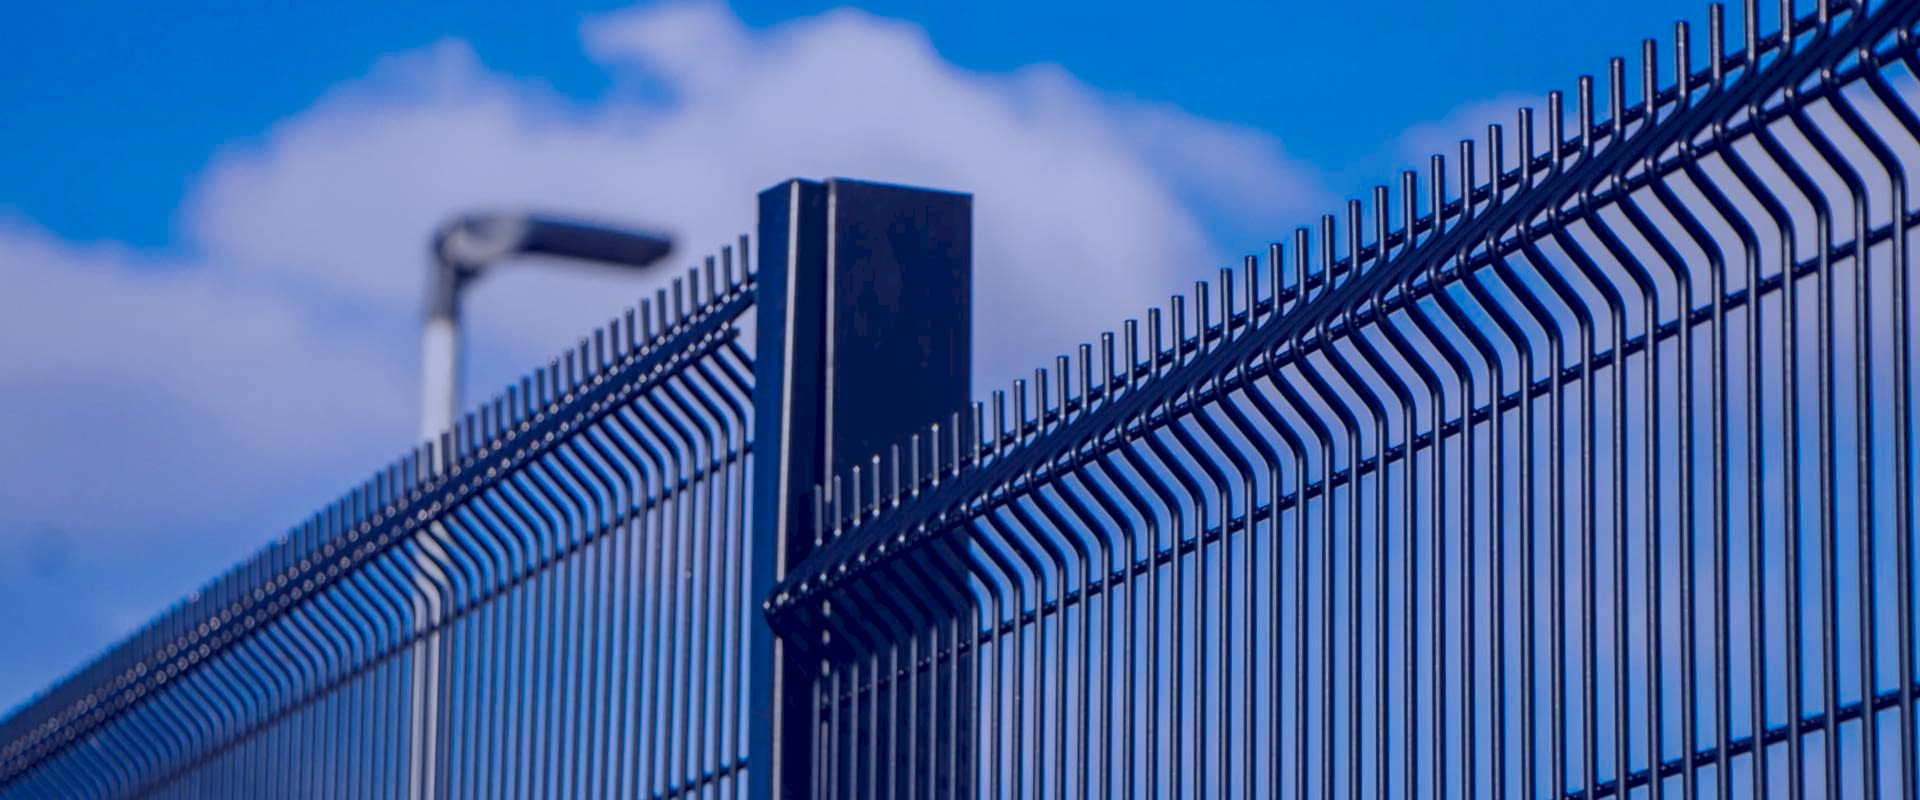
1581,469
1581,466
550,603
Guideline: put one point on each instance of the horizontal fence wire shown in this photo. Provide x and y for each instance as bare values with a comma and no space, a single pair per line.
552,600
1582,471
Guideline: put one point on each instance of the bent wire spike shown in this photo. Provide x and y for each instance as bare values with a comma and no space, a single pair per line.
1579,470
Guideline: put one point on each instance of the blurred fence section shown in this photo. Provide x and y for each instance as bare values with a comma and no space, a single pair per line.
1579,466
551,602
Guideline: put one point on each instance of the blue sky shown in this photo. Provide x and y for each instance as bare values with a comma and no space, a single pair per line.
212,215
112,110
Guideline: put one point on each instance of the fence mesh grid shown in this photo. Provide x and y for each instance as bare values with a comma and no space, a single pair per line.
1579,466
1576,470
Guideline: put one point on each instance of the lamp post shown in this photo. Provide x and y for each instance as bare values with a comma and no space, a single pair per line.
463,250
466,248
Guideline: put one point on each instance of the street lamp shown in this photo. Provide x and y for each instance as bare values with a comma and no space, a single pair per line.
465,248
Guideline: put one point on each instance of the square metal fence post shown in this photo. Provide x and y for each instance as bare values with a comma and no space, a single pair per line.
864,337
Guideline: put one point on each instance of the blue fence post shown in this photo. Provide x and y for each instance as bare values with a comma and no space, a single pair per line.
864,334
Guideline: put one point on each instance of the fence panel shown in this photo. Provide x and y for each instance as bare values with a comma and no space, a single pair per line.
552,602
1581,470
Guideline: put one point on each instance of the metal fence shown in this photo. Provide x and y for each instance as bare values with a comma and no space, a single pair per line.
1579,467
1576,470
550,603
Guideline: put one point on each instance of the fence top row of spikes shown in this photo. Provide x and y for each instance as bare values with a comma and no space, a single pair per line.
1074,387
642,328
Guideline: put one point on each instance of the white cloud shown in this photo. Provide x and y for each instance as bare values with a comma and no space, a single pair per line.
1085,205
228,390
142,394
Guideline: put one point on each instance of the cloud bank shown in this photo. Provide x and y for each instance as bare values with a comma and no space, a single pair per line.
167,413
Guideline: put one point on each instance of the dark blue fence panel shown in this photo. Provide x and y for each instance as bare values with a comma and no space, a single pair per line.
1580,466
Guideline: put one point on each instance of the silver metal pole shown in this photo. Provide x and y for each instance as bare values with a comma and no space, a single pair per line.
439,375
469,245
463,250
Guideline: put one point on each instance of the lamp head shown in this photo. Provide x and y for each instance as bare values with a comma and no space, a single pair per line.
469,244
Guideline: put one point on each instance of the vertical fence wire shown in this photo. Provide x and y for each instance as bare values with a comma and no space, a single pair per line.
1576,471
